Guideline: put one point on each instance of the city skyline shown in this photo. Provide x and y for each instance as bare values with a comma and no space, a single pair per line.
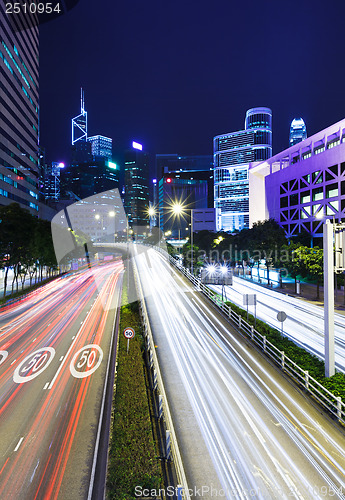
175,76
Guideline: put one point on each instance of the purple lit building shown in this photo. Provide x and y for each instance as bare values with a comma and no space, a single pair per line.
303,185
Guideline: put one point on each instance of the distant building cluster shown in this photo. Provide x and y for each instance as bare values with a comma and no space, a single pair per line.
241,183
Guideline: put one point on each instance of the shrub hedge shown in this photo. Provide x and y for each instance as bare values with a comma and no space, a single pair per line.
132,456
306,361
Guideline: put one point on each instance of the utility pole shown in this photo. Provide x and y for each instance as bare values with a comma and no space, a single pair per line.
191,240
328,269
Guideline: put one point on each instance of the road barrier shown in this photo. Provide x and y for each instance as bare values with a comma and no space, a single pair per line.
326,398
172,448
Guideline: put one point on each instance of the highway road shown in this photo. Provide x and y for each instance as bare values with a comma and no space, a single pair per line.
54,349
304,323
241,425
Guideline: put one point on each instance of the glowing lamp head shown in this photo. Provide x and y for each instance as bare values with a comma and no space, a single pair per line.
177,208
168,180
61,165
151,211
211,269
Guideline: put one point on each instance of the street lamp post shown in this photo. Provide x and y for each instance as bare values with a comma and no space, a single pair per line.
191,240
178,209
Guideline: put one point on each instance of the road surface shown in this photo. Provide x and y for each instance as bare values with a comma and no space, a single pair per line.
304,323
243,428
54,347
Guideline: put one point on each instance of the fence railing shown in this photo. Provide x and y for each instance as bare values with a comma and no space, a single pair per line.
172,448
326,398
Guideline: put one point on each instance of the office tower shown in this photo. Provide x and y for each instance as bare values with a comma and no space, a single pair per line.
175,162
232,154
137,185
193,190
101,147
91,170
19,112
51,187
303,185
298,131
79,123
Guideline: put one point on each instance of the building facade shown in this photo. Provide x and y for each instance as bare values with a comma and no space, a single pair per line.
137,185
91,170
19,113
303,185
193,190
101,147
51,181
298,131
175,162
233,152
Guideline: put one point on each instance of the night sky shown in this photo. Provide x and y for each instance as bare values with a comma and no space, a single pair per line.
173,74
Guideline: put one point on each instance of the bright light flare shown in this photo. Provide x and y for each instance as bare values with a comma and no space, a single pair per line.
151,211
211,269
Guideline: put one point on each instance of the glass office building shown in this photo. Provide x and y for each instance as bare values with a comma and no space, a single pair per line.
137,185
298,131
101,147
19,112
232,154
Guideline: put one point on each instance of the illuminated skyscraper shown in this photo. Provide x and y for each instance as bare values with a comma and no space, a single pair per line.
91,170
19,112
298,131
232,154
52,181
101,147
136,185
79,123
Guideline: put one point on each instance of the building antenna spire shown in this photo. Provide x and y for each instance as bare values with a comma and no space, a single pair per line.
82,100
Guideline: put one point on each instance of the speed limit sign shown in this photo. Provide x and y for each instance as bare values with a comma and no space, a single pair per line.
128,333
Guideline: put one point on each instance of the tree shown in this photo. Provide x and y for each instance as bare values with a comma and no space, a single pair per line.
16,230
264,240
287,259
311,264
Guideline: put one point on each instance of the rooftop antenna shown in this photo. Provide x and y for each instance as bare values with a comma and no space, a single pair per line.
82,101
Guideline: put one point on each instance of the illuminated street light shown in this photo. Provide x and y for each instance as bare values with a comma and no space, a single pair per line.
211,269
151,211
177,208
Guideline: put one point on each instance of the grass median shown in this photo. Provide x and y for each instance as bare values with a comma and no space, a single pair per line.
133,453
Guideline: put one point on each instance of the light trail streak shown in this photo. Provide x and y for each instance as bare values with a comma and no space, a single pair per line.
51,422
262,436
304,323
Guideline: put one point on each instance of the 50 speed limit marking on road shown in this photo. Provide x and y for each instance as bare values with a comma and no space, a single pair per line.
33,365
3,356
86,361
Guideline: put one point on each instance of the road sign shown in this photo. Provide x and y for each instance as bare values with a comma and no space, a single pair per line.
128,333
249,299
281,316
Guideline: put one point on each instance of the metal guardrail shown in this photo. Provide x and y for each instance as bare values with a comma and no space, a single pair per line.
326,398
173,450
